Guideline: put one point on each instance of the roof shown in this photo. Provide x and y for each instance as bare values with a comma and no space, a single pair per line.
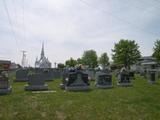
5,62
147,58
149,63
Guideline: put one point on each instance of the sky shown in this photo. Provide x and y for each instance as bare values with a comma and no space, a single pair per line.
69,27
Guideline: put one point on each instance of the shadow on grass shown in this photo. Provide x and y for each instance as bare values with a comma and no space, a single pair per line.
79,91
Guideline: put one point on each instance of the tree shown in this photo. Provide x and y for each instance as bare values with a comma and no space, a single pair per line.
156,50
79,61
104,60
126,52
71,62
61,65
90,58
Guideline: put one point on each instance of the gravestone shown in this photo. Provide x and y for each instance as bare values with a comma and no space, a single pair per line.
103,80
4,79
47,74
21,75
56,73
131,74
124,78
4,84
36,82
152,76
77,81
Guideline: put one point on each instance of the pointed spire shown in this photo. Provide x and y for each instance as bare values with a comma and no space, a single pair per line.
42,51
36,58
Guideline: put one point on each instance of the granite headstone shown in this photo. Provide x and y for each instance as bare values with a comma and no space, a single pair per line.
36,82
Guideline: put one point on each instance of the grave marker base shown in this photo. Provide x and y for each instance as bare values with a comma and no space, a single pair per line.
6,90
104,86
152,82
62,86
77,88
124,84
20,80
36,87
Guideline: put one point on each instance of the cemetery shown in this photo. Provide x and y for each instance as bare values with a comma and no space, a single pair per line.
79,60
80,91
110,103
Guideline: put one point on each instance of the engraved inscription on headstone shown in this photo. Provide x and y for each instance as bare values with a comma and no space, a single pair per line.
103,80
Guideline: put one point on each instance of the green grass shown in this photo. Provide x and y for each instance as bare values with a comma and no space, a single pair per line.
139,102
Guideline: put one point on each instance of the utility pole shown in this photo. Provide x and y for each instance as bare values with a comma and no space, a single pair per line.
55,64
23,58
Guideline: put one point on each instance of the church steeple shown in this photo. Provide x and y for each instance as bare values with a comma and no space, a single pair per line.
42,51
43,62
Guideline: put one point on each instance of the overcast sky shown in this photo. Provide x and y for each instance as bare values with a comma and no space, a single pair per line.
68,27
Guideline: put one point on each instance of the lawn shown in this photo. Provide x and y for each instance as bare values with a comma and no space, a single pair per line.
139,102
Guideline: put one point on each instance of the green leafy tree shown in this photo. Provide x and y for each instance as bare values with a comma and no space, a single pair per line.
61,65
71,62
156,50
79,61
89,58
104,60
126,52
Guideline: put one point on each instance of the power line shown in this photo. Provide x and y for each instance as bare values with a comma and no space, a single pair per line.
152,5
10,22
135,6
118,18
23,58
23,19
15,12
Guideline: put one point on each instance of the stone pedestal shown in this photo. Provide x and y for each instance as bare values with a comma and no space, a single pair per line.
77,88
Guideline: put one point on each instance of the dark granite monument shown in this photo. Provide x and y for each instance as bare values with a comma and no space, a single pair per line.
124,78
22,75
103,80
4,79
75,80
131,74
152,74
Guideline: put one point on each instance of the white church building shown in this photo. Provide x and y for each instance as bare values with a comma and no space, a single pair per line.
43,62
